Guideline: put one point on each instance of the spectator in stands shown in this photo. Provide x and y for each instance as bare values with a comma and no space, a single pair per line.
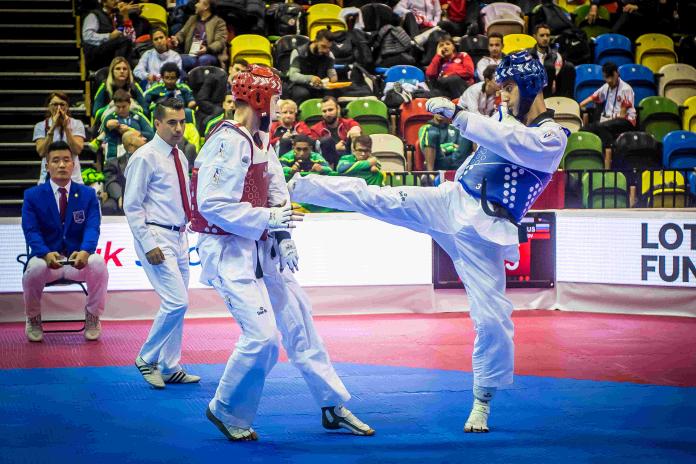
618,113
101,40
61,221
203,37
119,77
170,87
547,55
148,69
482,97
361,163
418,15
450,72
134,26
495,54
59,126
333,132
226,113
121,121
114,177
302,159
310,64
634,17
454,17
286,126
238,65
444,147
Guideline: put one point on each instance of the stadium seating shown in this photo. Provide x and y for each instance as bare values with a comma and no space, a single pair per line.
322,16
571,6
566,112
413,116
599,27
283,48
615,48
155,15
655,51
583,151
663,189
677,82
253,48
310,111
659,116
689,118
641,79
389,149
604,190
588,78
504,18
516,42
404,73
376,15
475,45
372,115
636,150
679,150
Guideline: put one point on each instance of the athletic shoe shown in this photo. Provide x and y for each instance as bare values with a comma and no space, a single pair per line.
150,373
478,419
180,377
231,432
92,326
338,417
34,329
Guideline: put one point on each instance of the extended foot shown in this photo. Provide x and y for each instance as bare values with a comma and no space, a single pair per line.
231,432
92,327
34,329
339,417
478,419
150,373
180,377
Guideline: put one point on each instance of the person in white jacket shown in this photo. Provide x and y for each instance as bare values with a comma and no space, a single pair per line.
242,212
475,219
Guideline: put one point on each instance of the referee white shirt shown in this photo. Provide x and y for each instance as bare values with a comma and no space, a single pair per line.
152,190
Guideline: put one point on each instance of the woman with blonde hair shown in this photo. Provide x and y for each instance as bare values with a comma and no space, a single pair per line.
120,76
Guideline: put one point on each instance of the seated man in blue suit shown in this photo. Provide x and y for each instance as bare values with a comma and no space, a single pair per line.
61,221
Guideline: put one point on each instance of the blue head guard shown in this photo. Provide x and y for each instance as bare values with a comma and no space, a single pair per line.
529,75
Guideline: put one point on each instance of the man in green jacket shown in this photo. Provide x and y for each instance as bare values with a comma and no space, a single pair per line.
302,159
361,163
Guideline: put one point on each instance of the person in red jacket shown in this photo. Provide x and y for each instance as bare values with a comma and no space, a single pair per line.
333,132
453,17
450,72
286,126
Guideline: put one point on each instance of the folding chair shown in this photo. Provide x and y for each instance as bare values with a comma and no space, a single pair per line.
256,49
616,48
517,42
655,51
677,82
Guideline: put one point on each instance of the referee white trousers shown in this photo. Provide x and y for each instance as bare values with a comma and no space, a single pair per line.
262,307
170,280
479,262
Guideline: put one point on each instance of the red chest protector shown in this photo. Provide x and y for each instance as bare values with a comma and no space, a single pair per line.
255,188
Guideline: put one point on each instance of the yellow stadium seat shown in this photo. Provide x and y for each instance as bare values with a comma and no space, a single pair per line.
689,118
570,5
663,189
516,42
155,15
253,48
322,16
677,82
654,51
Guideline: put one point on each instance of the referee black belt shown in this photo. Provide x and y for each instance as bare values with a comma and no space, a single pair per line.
172,228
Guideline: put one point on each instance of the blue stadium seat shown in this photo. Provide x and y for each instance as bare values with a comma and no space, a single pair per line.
588,78
641,79
613,47
404,73
679,150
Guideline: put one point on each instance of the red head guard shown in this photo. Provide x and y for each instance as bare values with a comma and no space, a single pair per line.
257,86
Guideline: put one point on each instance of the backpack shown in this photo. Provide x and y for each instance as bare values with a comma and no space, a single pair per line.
284,19
245,16
574,46
392,46
352,47
553,15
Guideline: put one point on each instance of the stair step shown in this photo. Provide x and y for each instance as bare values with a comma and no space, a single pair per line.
36,3
37,31
14,80
57,47
27,15
39,57
40,63
34,97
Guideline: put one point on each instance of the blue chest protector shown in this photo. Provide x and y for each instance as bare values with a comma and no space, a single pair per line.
512,187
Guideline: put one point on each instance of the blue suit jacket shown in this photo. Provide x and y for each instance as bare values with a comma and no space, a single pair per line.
43,231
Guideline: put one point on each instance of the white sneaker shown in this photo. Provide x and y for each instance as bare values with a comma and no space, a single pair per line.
231,432
180,377
478,419
34,329
150,373
92,326
339,417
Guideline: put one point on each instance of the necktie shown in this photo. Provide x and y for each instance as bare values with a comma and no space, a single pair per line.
182,184
63,202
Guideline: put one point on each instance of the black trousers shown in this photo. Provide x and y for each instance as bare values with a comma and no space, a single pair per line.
102,55
608,131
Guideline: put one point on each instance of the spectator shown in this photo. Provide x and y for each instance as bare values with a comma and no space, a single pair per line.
333,131
170,87
58,125
121,121
114,177
634,17
454,17
302,159
61,221
226,113
310,64
204,38
120,76
618,114
481,97
134,26
238,65
418,15
549,57
286,126
148,69
101,40
495,54
361,163
450,72
444,148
